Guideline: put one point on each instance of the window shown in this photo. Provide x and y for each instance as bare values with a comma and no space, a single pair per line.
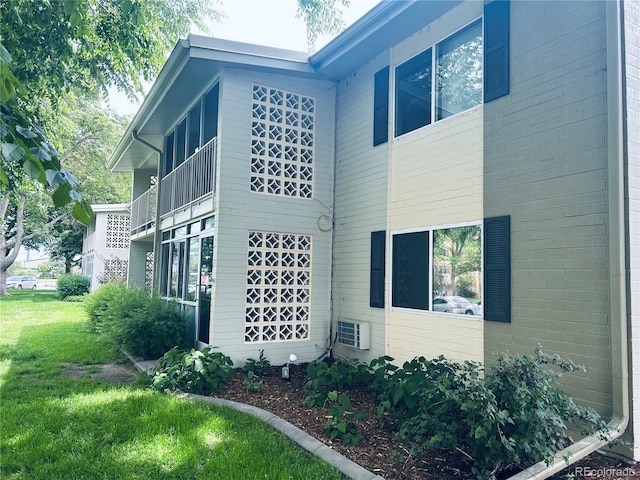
413,93
210,127
438,270
181,142
410,270
458,80
195,130
193,140
168,154
182,251
459,72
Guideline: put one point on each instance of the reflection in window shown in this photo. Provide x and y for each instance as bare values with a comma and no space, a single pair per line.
459,72
457,284
177,269
206,268
413,93
192,272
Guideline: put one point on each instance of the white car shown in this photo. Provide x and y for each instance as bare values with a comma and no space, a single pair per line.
22,281
453,304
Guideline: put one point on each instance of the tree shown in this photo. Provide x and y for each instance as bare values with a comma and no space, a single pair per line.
25,219
88,135
83,46
456,252
321,17
80,45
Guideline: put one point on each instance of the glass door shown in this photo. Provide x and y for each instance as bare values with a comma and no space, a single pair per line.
206,288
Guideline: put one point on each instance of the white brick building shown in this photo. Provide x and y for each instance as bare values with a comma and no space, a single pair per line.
433,150
105,245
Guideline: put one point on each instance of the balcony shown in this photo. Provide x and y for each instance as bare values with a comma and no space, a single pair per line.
186,190
190,184
143,212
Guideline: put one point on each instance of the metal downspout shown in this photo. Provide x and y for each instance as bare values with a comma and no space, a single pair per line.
617,255
157,241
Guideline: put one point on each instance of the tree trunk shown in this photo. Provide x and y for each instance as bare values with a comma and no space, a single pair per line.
9,247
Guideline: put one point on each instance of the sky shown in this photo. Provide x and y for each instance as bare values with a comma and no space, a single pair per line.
264,22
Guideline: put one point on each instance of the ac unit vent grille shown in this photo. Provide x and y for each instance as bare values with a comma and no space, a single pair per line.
353,334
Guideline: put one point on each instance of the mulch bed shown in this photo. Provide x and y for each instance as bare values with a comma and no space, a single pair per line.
380,451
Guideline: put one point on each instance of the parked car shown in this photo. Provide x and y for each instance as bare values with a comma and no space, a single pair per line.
22,281
451,304
474,309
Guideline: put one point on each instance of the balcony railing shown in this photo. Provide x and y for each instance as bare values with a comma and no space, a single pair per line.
193,179
143,211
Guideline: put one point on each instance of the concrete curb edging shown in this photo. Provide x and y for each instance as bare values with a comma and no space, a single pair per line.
303,439
343,464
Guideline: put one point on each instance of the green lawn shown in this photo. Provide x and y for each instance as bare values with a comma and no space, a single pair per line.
54,427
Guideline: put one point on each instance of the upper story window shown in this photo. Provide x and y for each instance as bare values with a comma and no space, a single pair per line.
459,72
282,142
424,93
196,129
413,93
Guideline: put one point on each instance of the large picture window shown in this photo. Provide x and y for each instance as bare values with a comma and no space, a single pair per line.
441,81
438,270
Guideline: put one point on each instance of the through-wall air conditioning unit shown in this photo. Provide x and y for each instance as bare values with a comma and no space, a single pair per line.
354,334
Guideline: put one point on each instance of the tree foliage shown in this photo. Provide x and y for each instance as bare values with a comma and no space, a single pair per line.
88,45
52,47
321,17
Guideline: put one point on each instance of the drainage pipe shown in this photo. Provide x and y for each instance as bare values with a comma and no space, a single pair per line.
157,241
617,256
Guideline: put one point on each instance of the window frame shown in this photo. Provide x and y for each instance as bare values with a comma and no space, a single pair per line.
430,231
434,49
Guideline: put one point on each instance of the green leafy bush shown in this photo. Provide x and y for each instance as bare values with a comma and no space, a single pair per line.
252,382
75,298
98,304
259,366
512,417
342,419
193,372
323,378
72,285
128,318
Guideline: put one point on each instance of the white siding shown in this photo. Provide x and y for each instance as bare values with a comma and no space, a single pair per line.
425,178
241,211
361,206
436,179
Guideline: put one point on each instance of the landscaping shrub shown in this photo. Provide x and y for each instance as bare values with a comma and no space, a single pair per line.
75,298
72,285
128,318
97,305
193,372
505,419
323,378
259,366
513,417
